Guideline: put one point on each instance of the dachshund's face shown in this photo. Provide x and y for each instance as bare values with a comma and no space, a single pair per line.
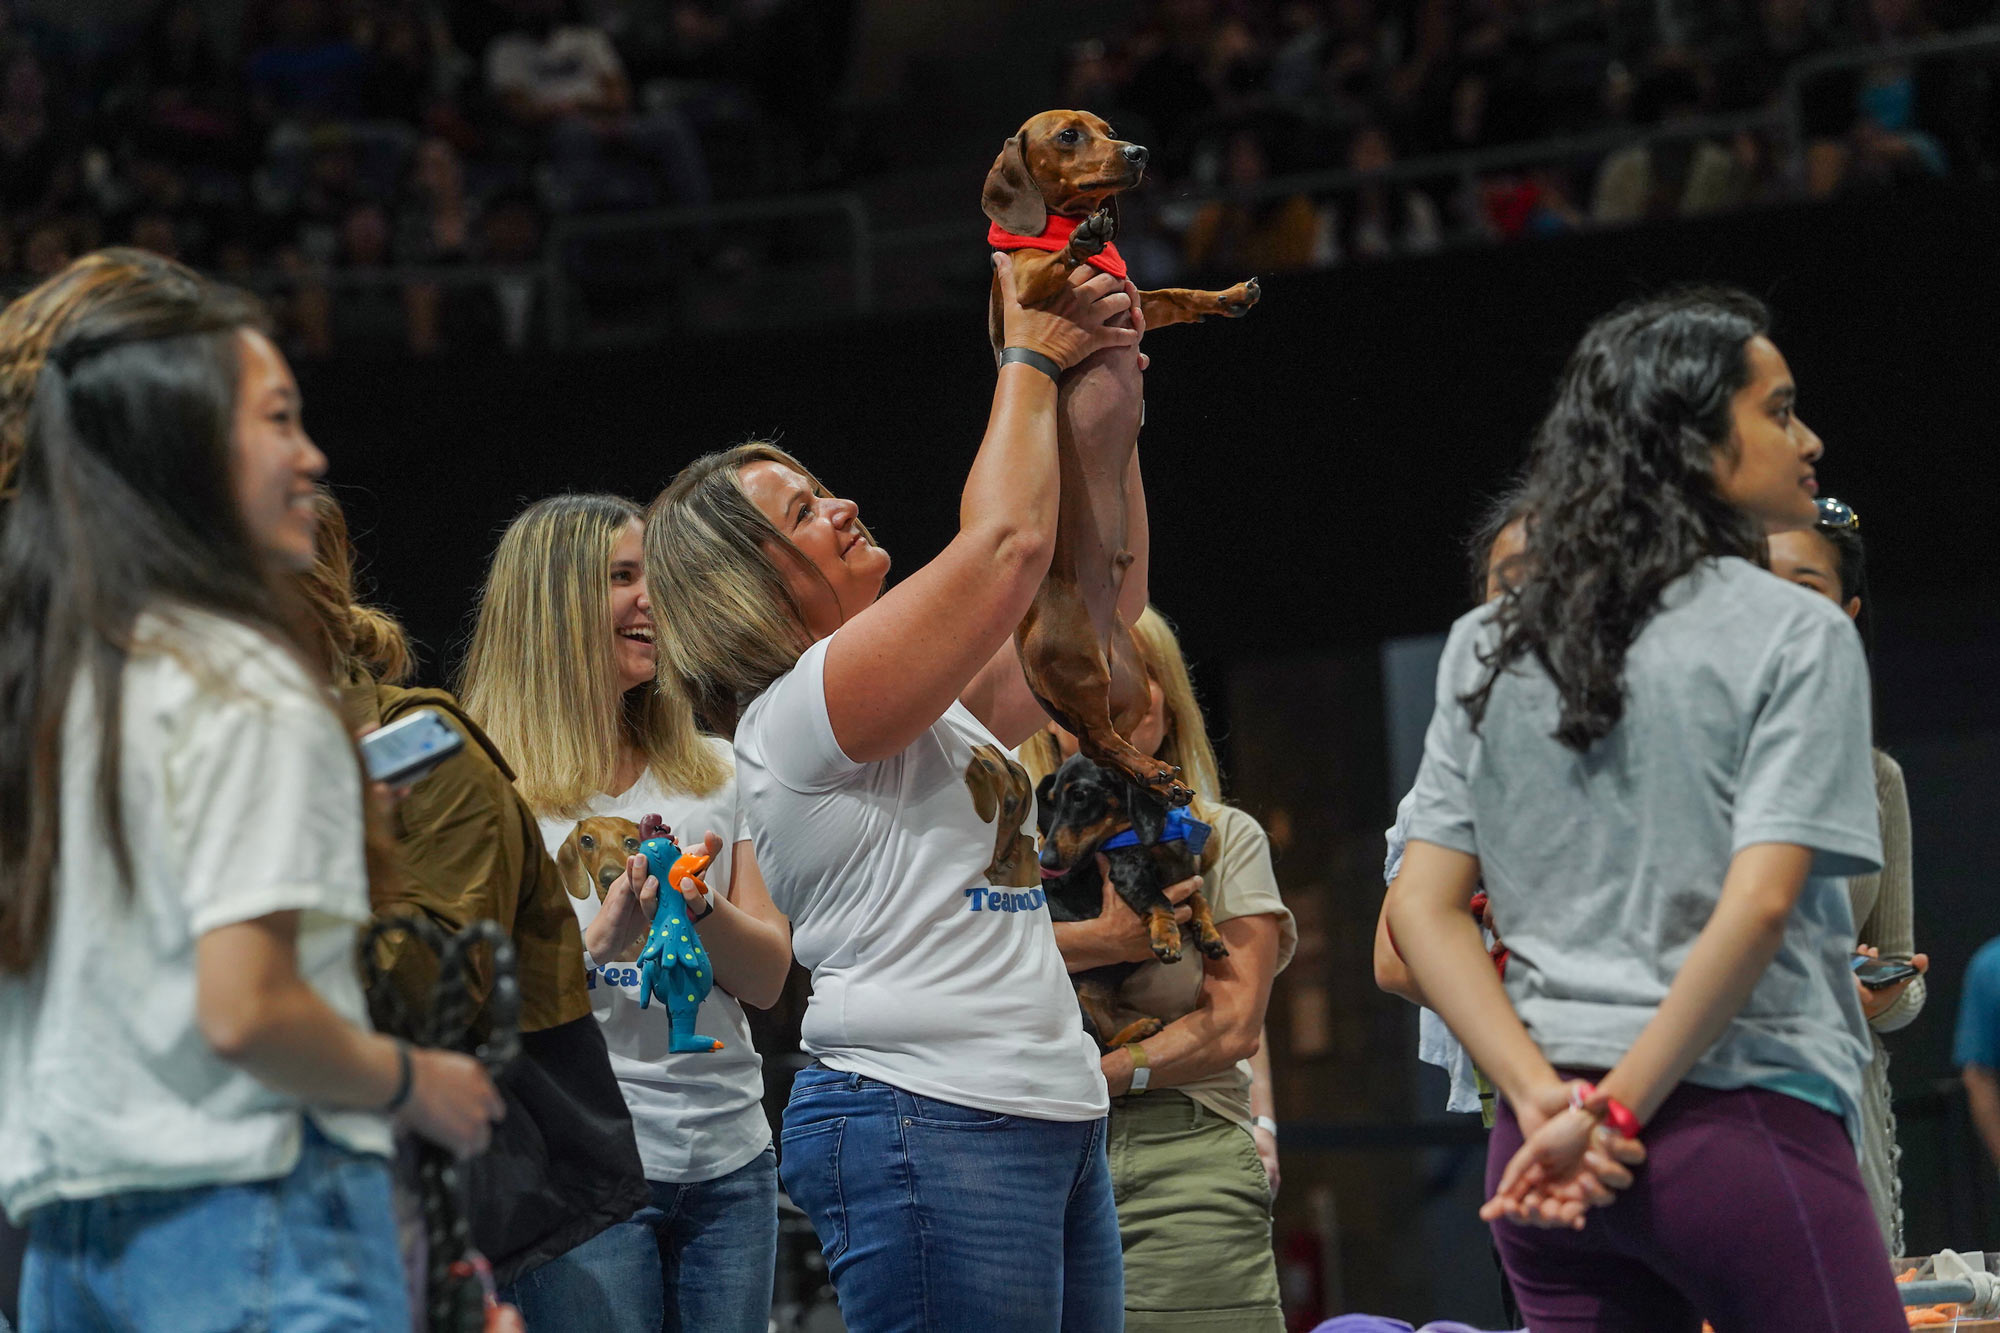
1059,162
1080,805
1076,161
595,852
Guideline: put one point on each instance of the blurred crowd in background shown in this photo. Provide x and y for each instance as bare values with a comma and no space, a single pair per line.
326,140
1230,96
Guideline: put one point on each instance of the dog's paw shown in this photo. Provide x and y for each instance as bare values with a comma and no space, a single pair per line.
1167,953
1236,302
1093,233
1213,946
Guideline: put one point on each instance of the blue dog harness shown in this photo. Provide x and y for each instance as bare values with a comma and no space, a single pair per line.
1181,827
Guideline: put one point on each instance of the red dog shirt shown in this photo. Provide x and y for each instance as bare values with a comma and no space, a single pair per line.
1053,238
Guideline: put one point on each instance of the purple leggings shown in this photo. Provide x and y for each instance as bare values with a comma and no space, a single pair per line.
1749,1212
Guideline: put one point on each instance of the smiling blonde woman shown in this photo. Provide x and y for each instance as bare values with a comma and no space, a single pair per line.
561,675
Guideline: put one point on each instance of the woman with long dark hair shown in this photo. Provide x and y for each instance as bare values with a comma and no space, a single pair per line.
193,1126
1657,756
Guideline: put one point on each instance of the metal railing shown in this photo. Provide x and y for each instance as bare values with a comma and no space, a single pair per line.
1469,165
562,292
1969,42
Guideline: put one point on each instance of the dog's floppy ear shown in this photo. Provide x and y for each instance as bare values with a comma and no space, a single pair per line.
1011,197
1149,815
571,865
1045,802
984,785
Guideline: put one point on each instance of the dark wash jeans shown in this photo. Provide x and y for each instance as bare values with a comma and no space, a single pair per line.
938,1218
699,1258
1749,1212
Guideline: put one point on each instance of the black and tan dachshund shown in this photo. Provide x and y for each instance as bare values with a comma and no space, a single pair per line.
1084,808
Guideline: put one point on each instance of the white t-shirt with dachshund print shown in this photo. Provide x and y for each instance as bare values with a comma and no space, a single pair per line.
915,900
697,1116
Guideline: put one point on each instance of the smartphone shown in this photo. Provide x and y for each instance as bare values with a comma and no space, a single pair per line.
1878,973
408,749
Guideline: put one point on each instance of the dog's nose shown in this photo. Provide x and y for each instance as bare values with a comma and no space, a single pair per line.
1050,858
608,873
1135,154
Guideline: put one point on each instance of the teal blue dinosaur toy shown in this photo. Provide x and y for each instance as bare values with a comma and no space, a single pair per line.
673,964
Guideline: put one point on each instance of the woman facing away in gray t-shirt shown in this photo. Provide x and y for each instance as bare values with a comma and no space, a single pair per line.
1656,755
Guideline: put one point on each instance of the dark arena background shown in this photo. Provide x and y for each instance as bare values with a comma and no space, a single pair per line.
1435,214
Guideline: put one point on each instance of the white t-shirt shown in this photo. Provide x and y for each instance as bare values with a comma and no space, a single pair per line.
697,1115
240,797
927,973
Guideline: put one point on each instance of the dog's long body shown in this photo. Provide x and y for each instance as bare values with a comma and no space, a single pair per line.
1082,808
1077,652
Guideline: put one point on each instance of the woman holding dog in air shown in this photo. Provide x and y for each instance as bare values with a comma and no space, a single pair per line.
561,675
192,1086
1194,1200
948,1140
1656,754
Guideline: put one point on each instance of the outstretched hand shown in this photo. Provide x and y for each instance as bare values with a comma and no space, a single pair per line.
1569,1162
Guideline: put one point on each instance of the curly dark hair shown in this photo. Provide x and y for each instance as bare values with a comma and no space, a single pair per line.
1622,498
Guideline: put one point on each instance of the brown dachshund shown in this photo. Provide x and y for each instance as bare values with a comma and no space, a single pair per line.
594,855
1052,195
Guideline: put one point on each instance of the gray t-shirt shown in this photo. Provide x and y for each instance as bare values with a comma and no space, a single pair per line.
1746,721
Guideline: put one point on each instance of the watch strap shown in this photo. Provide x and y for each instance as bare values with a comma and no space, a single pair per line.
1265,1123
1142,1069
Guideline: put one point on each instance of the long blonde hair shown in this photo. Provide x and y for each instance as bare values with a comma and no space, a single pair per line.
714,558
353,638
1185,745
538,675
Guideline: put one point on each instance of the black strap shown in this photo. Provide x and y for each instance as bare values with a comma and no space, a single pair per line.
455,1300
1028,356
406,1071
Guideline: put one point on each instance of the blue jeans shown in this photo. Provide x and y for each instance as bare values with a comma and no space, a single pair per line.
698,1258
937,1218
311,1252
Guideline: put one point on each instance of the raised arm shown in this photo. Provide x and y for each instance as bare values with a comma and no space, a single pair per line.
895,667
998,694
1137,588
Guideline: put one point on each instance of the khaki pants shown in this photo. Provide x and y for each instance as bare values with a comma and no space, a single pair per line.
1194,1214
